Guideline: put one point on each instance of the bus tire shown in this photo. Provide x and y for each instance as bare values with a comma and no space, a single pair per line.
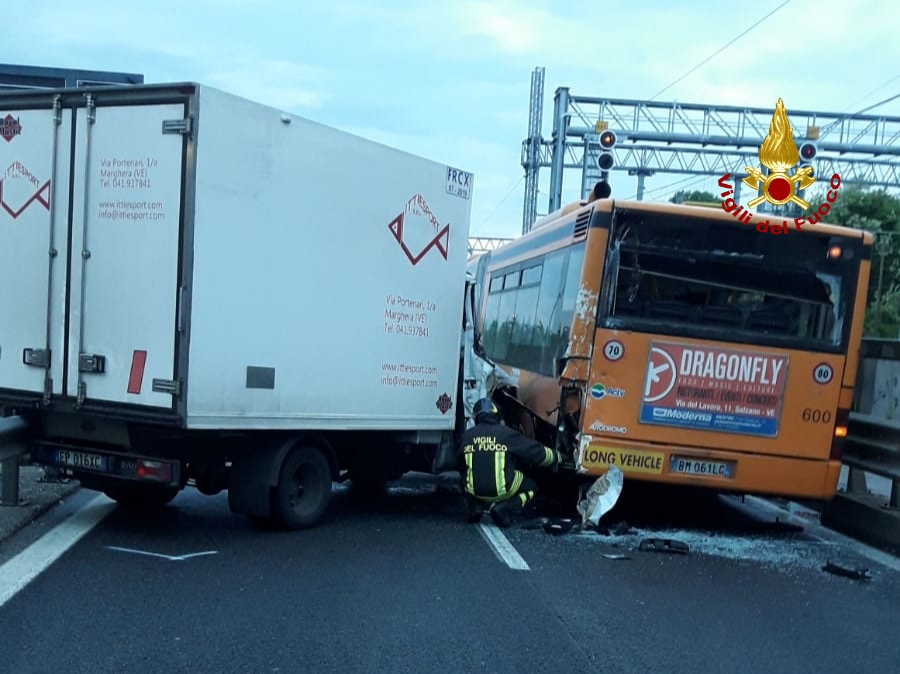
303,491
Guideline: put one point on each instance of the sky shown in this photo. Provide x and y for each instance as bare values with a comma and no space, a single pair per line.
450,80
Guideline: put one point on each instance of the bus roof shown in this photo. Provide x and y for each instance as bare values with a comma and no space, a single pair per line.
703,212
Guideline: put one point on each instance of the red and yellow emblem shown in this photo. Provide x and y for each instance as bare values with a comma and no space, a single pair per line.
779,153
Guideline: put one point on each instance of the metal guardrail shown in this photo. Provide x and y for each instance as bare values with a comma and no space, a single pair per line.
12,429
873,442
873,446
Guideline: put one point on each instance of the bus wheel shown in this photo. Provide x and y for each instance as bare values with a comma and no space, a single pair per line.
304,488
141,496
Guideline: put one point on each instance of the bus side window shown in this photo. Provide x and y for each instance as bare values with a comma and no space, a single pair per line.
564,310
552,280
521,352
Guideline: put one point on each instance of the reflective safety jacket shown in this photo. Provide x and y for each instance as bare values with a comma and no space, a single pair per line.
493,457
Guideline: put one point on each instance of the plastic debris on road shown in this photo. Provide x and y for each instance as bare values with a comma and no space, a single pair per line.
846,572
559,526
664,545
601,497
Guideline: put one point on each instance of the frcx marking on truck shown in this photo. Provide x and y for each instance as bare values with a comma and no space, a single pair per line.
459,183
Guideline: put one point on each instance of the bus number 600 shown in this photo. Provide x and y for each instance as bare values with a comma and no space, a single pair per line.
816,416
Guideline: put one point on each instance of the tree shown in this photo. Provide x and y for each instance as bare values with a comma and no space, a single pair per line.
694,195
877,211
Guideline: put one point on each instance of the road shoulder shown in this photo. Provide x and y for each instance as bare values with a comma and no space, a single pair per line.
36,496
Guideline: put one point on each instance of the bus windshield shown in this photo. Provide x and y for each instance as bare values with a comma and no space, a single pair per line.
709,279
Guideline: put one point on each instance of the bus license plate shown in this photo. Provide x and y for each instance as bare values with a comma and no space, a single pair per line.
70,459
687,466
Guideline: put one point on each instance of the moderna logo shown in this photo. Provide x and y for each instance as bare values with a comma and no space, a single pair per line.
661,375
779,153
680,415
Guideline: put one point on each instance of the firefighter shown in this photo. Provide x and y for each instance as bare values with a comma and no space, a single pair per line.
494,460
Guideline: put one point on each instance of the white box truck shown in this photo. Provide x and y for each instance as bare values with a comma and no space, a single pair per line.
196,289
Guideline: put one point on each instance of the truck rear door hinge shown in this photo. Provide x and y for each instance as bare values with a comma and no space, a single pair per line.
172,386
182,126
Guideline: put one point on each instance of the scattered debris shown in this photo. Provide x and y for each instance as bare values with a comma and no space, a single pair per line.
846,572
664,545
778,525
559,526
601,496
618,529
804,514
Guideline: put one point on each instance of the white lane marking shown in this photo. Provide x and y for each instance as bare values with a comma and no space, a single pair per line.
171,558
826,535
19,571
501,546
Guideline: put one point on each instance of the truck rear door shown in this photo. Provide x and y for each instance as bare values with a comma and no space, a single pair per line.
126,232
34,197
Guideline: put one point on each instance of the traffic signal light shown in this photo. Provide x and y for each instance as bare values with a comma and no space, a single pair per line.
608,140
808,151
605,161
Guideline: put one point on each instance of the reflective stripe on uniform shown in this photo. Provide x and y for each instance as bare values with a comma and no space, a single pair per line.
549,457
516,482
500,473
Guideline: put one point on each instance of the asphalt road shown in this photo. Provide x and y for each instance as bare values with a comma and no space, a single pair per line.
401,584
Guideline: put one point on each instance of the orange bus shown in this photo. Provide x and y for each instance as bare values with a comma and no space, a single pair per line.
680,344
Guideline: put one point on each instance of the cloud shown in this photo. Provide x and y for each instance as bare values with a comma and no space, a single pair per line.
280,84
512,27
449,80
113,25
495,165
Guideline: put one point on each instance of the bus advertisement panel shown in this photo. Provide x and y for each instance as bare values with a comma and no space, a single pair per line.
714,389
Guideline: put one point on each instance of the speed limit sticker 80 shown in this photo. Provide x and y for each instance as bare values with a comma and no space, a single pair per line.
613,350
823,373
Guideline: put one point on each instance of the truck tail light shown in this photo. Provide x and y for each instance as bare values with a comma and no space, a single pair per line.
154,471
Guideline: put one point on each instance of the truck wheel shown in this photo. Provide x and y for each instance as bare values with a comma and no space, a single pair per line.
304,488
140,496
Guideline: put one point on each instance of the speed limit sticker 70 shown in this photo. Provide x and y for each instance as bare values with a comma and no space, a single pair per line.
613,350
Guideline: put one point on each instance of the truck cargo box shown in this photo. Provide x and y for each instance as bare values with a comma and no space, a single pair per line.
215,263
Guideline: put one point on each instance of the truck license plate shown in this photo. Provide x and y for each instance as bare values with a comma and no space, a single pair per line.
688,466
65,457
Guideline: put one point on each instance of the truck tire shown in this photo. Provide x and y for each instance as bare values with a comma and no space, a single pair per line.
141,496
304,488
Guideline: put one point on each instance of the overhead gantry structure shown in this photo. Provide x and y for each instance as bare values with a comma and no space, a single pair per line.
596,135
